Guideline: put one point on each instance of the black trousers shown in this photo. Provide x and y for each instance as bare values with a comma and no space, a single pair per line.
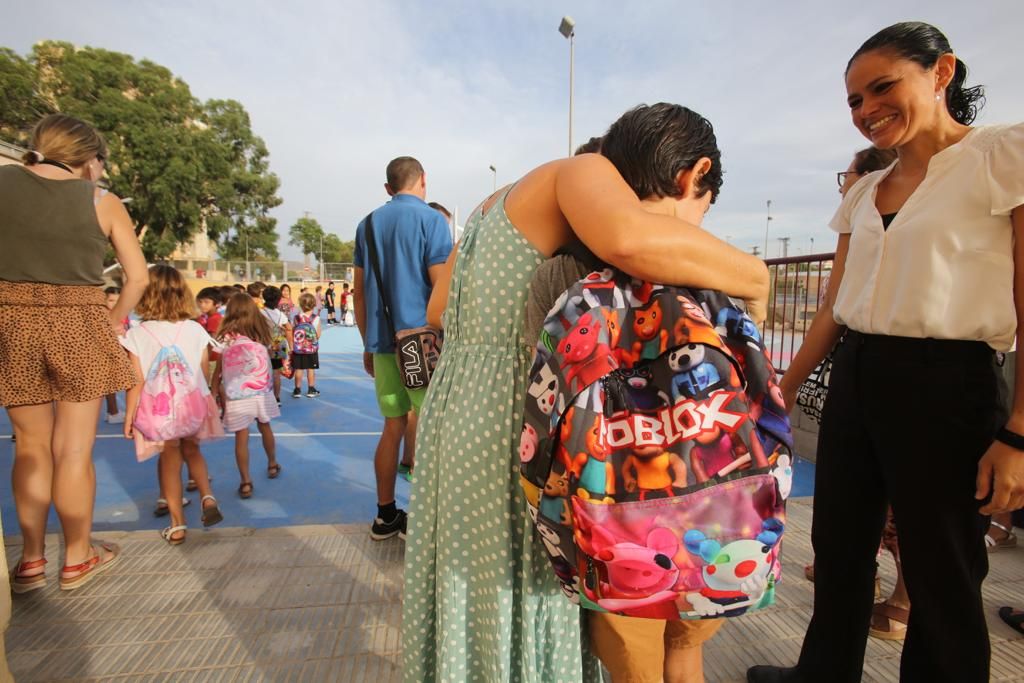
905,422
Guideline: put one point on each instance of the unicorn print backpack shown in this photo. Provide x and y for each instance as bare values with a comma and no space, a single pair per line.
245,368
656,451
173,404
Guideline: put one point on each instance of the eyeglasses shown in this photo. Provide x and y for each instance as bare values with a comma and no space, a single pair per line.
841,177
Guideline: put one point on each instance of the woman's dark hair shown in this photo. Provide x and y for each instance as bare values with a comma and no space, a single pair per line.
651,144
923,44
872,159
591,146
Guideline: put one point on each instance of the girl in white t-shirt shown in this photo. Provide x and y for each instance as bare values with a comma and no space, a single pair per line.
242,380
171,409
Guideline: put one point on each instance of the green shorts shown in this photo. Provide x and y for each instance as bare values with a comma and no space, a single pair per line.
392,396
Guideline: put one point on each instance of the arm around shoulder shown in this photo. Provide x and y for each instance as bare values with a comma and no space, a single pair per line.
607,216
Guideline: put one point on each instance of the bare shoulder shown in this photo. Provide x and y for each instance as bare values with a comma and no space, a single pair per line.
532,207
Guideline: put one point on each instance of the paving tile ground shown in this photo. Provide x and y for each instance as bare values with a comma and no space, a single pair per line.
322,603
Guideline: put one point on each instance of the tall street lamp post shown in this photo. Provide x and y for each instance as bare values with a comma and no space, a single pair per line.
767,224
568,29
494,171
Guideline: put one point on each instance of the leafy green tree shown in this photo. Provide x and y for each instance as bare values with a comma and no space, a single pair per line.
187,165
306,234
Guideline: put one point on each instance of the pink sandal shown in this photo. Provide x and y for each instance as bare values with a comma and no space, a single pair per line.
90,568
26,584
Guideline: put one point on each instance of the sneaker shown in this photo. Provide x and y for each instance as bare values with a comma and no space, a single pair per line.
115,419
312,393
405,472
297,392
381,530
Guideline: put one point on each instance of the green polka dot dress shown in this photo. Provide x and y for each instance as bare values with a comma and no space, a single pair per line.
481,602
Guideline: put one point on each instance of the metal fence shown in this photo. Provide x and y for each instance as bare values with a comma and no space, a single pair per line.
798,285
270,272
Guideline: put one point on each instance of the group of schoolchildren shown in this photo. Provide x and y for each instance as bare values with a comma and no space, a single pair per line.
209,365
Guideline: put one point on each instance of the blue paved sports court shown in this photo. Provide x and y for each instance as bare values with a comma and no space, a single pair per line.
325,447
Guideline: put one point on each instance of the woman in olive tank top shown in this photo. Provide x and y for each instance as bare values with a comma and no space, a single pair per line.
58,342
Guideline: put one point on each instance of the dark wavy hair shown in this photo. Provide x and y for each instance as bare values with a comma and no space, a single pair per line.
651,144
873,159
923,44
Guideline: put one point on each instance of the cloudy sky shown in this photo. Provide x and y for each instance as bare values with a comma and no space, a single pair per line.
339,88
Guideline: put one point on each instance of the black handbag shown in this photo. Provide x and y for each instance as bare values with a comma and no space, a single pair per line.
417,349
810,396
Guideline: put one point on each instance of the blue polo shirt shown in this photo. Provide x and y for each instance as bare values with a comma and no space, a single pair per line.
410,238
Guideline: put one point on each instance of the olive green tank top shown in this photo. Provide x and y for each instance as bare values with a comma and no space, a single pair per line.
48,230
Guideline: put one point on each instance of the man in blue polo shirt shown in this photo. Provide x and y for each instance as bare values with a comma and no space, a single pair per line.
413,243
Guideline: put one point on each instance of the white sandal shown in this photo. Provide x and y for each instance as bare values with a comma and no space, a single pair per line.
169,532
1010,541
161,509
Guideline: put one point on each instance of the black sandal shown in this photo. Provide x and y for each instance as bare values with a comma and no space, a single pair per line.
245,489
273,471
1013,618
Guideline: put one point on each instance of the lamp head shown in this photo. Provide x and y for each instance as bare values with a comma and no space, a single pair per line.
492,168
567,26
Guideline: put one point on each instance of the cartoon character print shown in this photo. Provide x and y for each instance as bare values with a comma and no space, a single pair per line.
695,376
768,412
560,562
177,392
652,340
585,358
638,579
592,468
738,576
544,389
601,291
782,470
246,369
718,453
640,292
653,470
528,443
732,323
554,504
642,390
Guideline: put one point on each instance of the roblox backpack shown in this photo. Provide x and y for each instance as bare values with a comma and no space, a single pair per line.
304,339
172,404
656,451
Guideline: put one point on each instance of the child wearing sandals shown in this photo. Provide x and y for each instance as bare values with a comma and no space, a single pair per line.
171,409
243,381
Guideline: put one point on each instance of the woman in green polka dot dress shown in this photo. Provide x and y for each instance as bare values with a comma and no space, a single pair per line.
481,602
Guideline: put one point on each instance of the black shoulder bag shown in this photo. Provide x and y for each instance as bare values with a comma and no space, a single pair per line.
417,350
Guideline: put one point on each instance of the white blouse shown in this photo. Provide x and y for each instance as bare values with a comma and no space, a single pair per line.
944,268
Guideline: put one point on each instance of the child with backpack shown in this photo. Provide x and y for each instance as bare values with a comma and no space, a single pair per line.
653,643
280,334
306,346
172,409
243,381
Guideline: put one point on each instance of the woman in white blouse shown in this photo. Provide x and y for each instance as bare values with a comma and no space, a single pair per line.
932,288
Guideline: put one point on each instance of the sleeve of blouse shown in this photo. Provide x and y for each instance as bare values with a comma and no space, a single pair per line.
842,220
1006,171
